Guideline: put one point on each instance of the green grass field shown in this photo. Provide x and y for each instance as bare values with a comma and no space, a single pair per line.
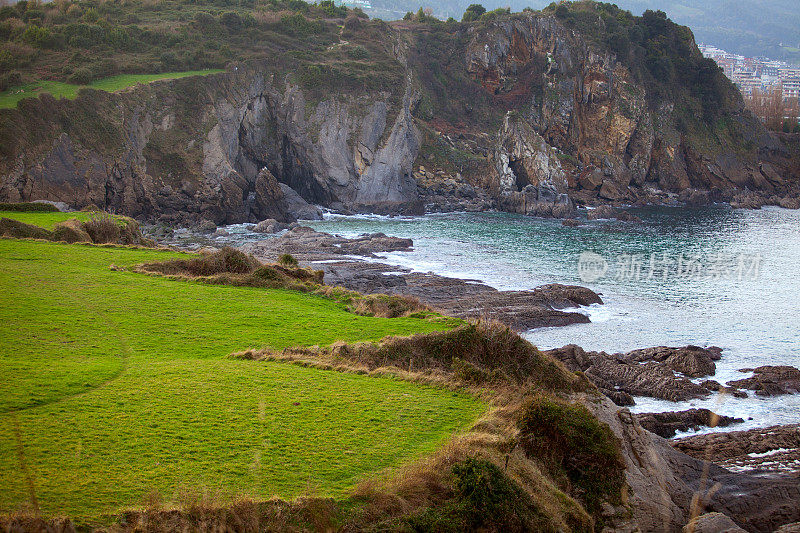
9,98
119,385
44,220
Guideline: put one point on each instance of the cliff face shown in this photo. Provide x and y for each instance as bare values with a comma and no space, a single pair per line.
520,114
584,125
213,148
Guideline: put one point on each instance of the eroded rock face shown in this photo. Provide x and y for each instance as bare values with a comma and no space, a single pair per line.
262,154
587,129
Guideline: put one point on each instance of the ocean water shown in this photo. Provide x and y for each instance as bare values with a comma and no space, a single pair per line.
706,276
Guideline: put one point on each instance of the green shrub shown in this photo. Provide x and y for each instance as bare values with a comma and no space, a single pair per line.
357,52
38,37
298,24
7,12
332,10
91,15
287,260
231,21
484,499
81,76
576,449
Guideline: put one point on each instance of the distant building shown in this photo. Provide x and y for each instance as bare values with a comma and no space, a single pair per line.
362,4
759,73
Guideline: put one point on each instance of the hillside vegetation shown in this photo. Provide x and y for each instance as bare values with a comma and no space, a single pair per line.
116,385
768,28
87,41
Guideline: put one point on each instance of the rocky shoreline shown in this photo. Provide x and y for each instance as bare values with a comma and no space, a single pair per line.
352,263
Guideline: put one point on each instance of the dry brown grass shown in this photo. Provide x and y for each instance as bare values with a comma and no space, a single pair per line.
478,353
229,266
102,228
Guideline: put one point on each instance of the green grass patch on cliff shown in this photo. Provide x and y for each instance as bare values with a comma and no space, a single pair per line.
58,89
44,220
119,385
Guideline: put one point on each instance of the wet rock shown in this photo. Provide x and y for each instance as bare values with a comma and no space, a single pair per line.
647,372
298,207
571,222
748,200
563,296
625,216
775,448
789,203
601,212
716,386
770,380
669,423
691,361
269,225
712,523
205,226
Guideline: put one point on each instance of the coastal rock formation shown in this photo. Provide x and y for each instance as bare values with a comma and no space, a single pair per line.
598,134
262,157
770,380
653,372
668,486
669,423
521,310
308,244
572,123
775,448
712,523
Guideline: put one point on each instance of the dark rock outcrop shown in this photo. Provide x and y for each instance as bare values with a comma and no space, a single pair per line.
669,423
521,310
668,486
770,380
775,448
648,372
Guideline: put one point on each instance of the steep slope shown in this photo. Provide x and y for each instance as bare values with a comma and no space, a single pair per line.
532,112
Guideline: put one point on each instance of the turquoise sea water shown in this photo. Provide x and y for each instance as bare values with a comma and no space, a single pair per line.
710,276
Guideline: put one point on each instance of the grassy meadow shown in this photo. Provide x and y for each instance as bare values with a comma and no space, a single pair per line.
116,384
44,220
59,89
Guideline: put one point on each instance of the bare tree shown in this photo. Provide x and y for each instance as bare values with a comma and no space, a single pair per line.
768,106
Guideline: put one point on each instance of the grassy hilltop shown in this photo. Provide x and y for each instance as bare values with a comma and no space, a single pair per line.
116,384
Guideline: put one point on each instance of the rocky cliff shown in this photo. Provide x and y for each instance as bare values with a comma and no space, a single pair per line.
524,113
